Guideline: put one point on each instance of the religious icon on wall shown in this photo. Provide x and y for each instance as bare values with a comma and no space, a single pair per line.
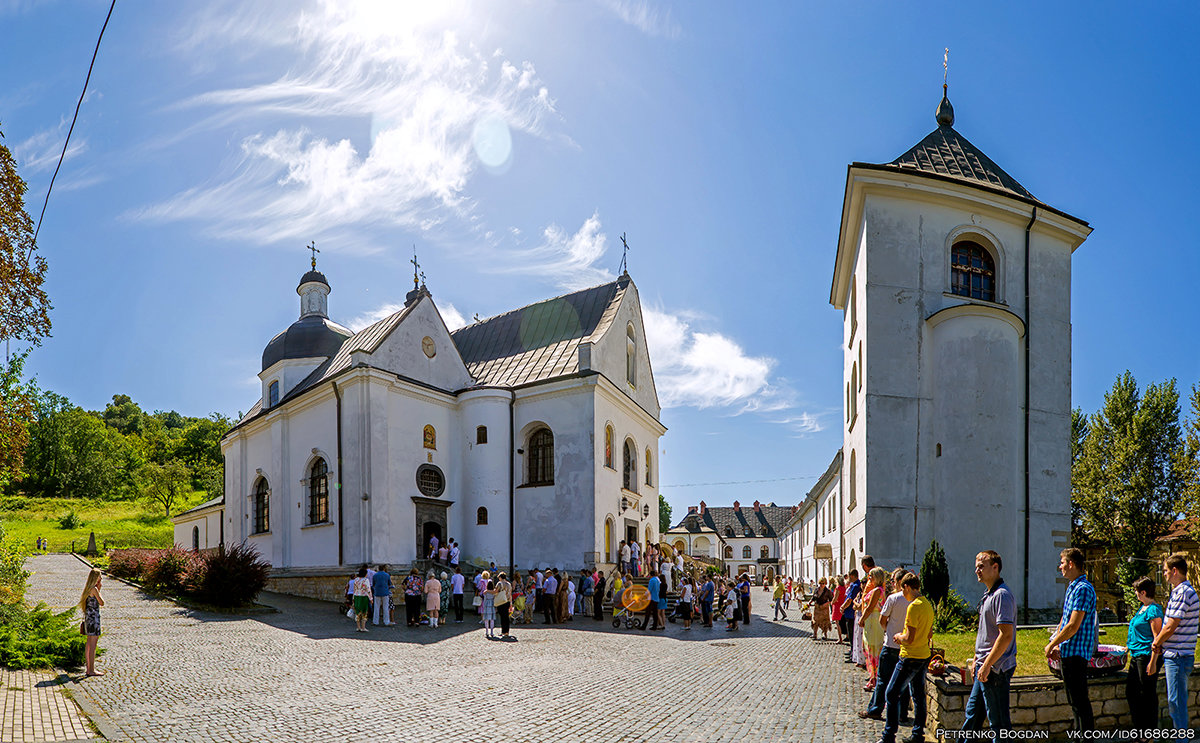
430,438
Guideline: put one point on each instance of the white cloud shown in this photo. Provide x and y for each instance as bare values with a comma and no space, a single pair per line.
450,314
649,17
41,151
398,66
567,259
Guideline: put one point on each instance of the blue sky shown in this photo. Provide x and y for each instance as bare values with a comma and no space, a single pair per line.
514,142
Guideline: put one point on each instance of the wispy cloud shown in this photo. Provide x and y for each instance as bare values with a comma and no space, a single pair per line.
649,17
568,259
438,108
40,152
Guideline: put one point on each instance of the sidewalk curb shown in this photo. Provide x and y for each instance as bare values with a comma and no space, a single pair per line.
95,715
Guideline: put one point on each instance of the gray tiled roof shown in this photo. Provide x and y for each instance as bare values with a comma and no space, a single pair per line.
211,502
946,152
725,521
540,341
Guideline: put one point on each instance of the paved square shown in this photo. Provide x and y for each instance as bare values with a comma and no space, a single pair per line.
305,675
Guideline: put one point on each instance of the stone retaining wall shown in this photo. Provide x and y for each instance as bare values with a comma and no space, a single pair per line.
1040,703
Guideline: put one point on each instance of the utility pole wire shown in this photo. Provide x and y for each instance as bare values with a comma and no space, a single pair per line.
82,94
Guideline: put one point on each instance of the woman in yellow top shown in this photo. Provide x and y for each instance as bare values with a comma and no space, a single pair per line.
873,630
778,596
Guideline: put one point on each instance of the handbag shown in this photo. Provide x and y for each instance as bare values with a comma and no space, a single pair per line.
83,627
477,601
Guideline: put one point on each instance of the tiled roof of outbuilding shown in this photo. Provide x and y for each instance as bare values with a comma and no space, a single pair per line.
767,522
539,341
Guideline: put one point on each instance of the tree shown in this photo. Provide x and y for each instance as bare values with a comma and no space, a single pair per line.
18,400
935,573
166,483
24,305
200,445
664,514
124,415
1079,433
1132,471
72,453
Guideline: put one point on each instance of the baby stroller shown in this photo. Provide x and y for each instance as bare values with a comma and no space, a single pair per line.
632,600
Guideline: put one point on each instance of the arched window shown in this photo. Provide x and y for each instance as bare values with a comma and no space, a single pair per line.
481,516
273,394
608,443
318,493
630,355
195,539
764,552
541,457
262,506
629,480
648,468
728,552
608,545
972,271
853,479
853,392
746,553
481,434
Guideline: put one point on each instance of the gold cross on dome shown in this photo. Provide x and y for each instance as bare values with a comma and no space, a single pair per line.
312,245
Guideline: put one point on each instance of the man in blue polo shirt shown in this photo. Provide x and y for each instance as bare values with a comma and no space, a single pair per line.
1176,641
1075,637
995,648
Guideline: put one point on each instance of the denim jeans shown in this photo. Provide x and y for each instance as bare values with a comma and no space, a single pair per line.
888,659
989,699
1177,670
910,672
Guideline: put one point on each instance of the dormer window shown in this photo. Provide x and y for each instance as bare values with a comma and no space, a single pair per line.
972,271
630,355
273,394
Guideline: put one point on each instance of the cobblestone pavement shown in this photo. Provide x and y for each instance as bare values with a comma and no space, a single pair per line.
33,708
304,675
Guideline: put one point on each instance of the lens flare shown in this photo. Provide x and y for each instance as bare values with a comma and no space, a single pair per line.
493,143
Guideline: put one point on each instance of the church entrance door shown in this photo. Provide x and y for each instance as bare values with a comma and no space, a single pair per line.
431,529
631,534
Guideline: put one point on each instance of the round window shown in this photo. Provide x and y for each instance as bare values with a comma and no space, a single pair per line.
430,480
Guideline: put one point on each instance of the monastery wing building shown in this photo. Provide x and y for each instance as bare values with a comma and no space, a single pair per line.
531,438
955,287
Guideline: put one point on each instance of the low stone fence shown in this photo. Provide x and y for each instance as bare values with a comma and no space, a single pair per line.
1040,703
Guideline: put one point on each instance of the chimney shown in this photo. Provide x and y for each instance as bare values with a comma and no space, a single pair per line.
757,508
737,507
703,508
691,509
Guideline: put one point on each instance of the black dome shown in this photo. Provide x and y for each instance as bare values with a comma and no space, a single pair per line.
313,275
309,336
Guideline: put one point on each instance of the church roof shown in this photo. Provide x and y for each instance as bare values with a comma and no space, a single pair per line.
310,336
314,275
946,152
727,522
539,341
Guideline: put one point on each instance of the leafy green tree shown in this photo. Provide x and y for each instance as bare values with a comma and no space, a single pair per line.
166,484
664,514
212,481
125,415
200,445
1131,473
72,453
1079,433
18,400
1190,500
935,573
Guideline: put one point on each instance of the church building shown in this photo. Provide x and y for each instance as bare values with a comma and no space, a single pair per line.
955,287
531,438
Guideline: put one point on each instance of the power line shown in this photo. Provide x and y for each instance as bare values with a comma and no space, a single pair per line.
740,482
78,105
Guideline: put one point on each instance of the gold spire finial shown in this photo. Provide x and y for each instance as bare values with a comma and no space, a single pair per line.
313,247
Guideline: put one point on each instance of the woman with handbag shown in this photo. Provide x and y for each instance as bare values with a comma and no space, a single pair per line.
820,613
503,603
90,603
413,588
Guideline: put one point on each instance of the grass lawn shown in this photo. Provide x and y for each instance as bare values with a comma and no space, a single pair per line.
121,523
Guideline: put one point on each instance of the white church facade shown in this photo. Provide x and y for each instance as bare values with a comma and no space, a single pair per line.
531,438
955,288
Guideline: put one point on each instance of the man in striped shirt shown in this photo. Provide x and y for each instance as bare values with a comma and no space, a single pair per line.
1075,637
1176,641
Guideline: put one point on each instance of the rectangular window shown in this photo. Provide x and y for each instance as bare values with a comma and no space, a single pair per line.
481,435
273,394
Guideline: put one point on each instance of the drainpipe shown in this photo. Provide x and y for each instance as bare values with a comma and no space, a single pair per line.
338,394
512,492
1025,586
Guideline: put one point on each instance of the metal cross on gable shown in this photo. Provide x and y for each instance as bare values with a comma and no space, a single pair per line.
312,245
416,268
624,254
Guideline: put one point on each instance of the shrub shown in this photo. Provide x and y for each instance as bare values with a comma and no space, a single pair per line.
70,521
13,576
132,564
952,613
233,576
167,571
39,638
935,573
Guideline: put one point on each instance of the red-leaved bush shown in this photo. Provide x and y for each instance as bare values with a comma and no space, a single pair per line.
230,576
132,564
